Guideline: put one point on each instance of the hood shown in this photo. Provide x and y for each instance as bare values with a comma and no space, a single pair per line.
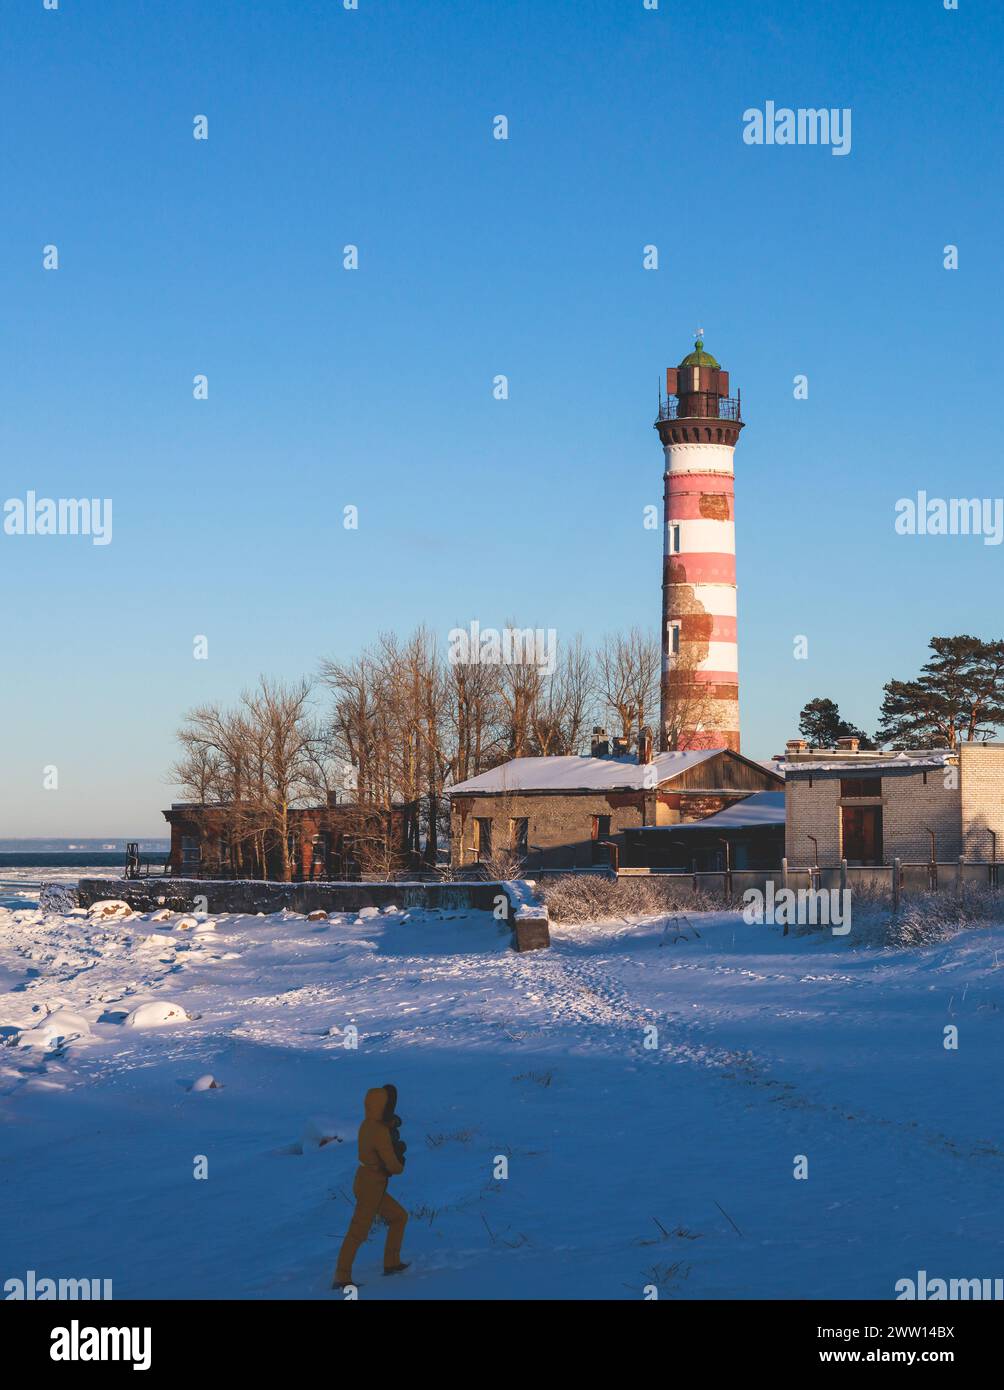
391,1093
375,1103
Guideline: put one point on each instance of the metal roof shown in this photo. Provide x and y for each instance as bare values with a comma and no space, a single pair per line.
755,812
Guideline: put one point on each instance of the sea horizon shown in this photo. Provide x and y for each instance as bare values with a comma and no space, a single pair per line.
27,862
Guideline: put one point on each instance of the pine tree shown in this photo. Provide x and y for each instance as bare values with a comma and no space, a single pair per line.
958,697
821,724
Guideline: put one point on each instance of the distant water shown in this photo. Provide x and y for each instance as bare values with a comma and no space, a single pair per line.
24,864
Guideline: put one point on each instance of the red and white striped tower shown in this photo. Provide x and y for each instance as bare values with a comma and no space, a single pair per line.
699,426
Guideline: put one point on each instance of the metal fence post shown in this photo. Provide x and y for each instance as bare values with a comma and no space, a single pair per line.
784,872
895,884
843,875
958,873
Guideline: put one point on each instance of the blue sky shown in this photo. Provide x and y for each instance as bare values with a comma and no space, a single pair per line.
477,257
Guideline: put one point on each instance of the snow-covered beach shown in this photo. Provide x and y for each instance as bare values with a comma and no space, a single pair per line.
634,1158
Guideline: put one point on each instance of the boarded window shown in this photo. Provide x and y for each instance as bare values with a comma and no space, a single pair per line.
861,786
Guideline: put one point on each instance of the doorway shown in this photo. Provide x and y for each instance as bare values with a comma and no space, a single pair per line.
862,834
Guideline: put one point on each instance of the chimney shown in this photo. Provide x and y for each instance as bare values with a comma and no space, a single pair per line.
645,745
847,745
621,746
600,747
795,745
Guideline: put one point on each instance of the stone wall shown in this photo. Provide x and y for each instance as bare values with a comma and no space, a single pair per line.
525,912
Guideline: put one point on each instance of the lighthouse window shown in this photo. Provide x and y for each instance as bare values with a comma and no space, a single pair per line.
674,540
674,638
697,378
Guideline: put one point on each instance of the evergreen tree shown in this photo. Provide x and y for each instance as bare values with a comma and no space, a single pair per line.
821,724
958,697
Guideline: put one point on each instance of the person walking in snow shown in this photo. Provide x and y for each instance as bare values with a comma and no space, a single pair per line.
381,1157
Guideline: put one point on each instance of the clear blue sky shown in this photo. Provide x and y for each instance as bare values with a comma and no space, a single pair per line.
478,257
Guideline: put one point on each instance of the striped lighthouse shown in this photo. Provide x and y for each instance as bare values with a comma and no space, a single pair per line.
699,424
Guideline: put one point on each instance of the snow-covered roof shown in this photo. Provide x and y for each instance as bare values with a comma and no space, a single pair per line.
860,766
574,774
753,812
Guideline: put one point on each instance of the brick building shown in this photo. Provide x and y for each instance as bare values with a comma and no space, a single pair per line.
871,808
332,842
562,812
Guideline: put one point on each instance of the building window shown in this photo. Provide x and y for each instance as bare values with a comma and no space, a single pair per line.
320,854
191,852
601,827
861,786
519,834
483,837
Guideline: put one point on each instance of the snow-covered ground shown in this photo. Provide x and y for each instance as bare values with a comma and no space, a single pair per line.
627,1165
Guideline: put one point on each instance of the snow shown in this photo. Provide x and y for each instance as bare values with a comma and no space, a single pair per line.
583,774
762,808
155,1014
838,766
110,909
627,1164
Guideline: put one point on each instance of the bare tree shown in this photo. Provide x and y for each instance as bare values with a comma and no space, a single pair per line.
254,764
628,667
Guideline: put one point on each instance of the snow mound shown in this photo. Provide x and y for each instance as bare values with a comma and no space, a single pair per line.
56,1030
163,914
109,909
206,1083
365,912
156,1014
317,915
186,923
156,941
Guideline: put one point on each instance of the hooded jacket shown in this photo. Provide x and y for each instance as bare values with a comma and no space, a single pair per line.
376,1152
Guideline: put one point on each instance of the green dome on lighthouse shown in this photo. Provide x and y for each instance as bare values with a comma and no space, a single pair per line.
699,358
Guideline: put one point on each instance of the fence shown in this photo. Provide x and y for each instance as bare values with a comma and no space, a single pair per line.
895,879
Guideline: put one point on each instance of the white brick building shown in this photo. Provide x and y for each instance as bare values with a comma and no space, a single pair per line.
871,808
